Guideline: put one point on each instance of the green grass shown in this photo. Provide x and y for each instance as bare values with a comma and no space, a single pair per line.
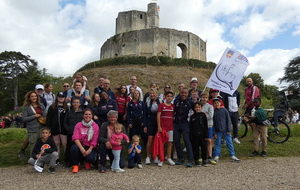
11,141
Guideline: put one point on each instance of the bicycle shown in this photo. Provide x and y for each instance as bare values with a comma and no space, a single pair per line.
279,134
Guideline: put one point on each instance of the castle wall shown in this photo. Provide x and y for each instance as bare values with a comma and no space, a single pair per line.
154,42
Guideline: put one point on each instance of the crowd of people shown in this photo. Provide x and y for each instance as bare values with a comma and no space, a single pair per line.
94,129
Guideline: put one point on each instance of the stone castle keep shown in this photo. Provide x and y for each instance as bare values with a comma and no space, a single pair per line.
138,34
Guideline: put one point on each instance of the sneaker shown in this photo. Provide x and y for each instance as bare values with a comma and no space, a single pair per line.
211,161
147,162
236,141
140,166
171,162
160,164
51,170
175,156
216,159
57,163
184,150
263,154
21,154
254,153
75,169
107,157
197,163
102,169
179,162
87,166
189,164
113,170
205,163
119,170
234,159
156,160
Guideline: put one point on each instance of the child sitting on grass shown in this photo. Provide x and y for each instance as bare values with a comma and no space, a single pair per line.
45,150
134,153
115,141
222,127
199,134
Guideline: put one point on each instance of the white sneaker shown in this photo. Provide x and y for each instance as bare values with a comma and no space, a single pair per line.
160,164
216,159
147,162
175,156
171,162
140,166
234,159
119,170
184,150
236,141
156,160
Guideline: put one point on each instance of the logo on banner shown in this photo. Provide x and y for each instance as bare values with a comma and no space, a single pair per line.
229,53
242,59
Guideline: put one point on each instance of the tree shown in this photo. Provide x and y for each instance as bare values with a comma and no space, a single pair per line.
12,66
292,73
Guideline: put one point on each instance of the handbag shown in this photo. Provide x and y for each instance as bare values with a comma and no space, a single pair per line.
41,120
266,122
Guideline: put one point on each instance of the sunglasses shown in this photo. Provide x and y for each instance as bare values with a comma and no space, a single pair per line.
167,87
66,86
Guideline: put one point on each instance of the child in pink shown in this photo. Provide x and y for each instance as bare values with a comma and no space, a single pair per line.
115,141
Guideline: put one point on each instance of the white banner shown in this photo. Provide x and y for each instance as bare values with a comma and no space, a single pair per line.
228,72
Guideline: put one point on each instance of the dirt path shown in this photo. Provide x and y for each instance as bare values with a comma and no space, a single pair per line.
253,173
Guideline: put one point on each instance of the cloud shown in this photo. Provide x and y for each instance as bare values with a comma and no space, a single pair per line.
270,63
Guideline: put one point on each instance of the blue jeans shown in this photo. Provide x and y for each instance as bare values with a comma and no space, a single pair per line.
185,131
115,164
228,143
136,159
77,156
103,151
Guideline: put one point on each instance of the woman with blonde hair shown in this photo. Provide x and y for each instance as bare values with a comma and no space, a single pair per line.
32,110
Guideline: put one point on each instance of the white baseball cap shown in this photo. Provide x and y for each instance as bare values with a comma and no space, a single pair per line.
194,79
39,86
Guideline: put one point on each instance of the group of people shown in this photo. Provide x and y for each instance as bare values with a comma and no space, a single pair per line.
96,127
7,121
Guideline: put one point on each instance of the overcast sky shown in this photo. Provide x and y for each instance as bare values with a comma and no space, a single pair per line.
63,35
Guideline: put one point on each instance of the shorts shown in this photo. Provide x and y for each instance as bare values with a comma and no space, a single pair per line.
210,132
170,133
151,129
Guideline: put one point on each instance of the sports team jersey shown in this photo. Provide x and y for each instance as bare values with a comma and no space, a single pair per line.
166,118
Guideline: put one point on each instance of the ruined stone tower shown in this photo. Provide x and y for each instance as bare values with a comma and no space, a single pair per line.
138,34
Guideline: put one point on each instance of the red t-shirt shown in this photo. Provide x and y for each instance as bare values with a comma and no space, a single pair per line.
121,104
166,117
38,110
128,99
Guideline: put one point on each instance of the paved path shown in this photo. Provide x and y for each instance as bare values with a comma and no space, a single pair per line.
253,173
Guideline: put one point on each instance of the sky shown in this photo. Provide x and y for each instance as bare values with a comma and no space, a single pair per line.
64,35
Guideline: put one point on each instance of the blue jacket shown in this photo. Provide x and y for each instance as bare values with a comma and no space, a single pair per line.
149,116
182,109
135,112
104,107
222,121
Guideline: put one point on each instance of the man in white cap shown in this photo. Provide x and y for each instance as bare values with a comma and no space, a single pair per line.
39,89
194,84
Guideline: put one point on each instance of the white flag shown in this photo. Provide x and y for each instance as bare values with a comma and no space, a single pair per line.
229,72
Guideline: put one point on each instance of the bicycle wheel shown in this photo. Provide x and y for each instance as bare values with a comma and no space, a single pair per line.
279,134
243,129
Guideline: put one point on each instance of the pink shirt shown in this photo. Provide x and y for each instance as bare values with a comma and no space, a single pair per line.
80,133
114,143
